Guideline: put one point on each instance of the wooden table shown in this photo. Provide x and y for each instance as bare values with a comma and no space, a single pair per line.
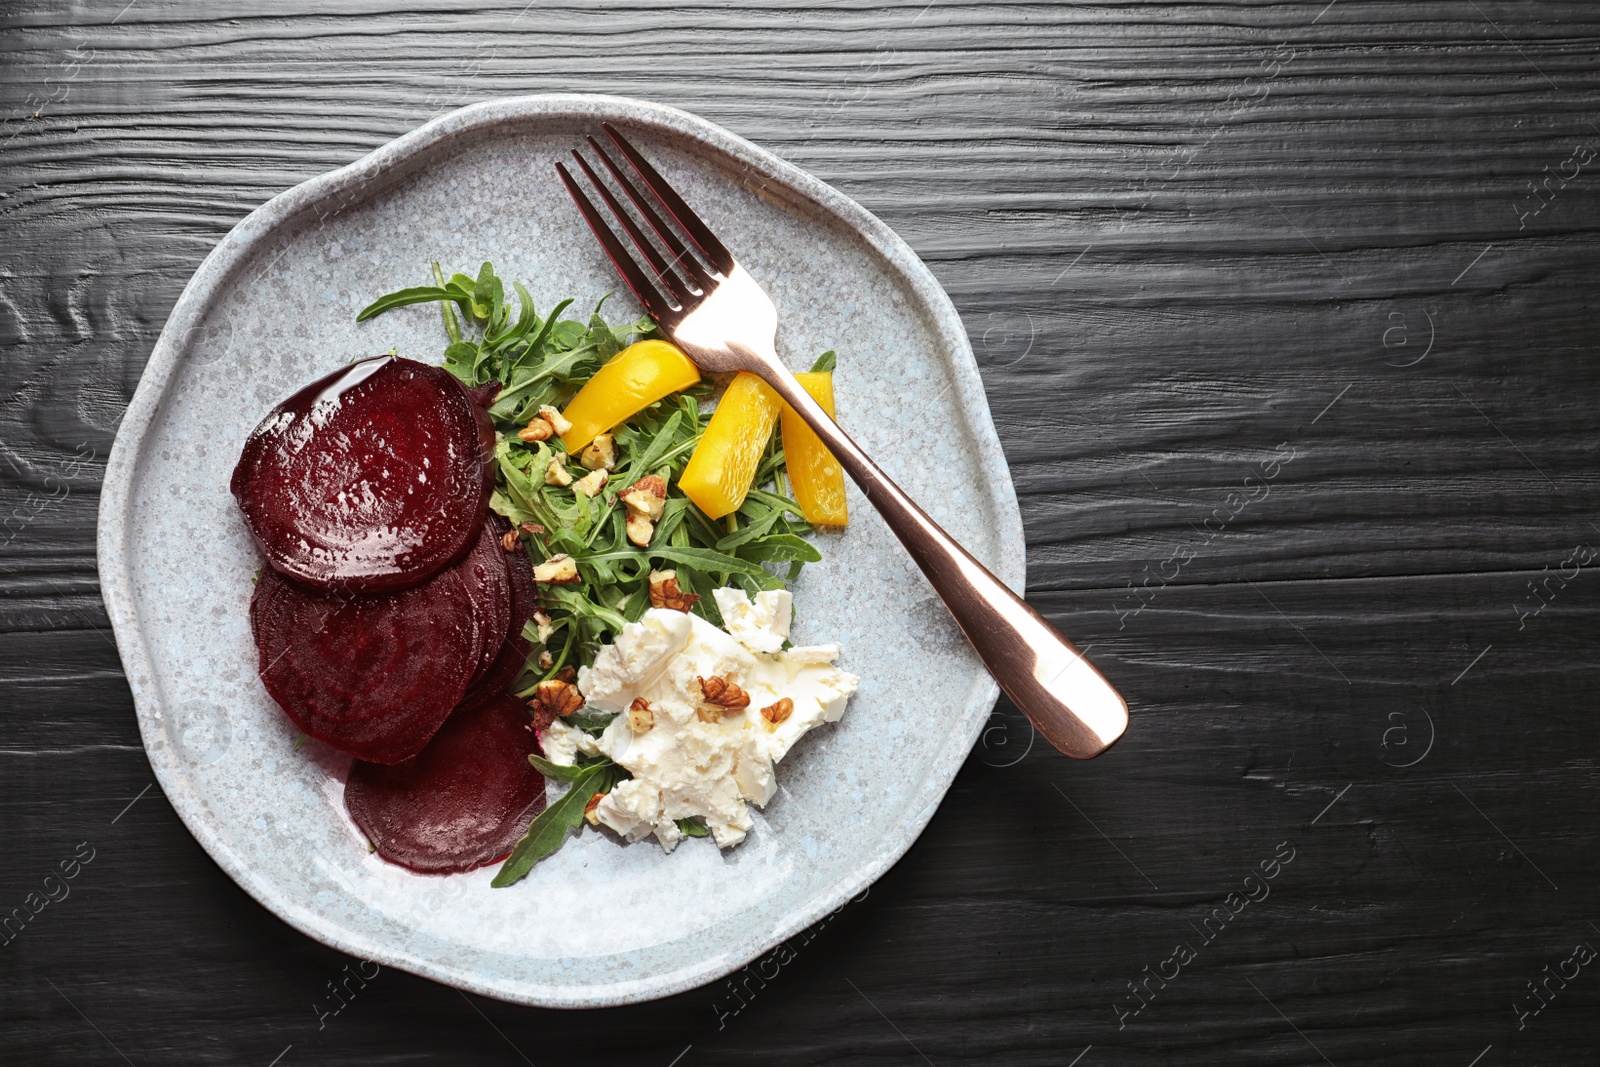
1287,317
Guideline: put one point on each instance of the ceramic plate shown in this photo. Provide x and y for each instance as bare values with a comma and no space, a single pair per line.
273,306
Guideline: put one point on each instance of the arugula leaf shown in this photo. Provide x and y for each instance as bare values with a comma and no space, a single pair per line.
705,559
588,722
549,828
761,524
487,294
783,546
693,827
423,294
558,771
827,361
549,326
527,319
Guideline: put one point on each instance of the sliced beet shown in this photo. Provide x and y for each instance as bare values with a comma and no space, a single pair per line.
513,650
462,803
373,675
370,479
487,579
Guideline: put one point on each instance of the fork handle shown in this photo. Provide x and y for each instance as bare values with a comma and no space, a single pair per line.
1060,691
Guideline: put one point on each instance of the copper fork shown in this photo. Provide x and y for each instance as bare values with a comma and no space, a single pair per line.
711,307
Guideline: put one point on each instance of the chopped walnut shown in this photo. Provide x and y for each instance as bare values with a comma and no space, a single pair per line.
544,625
723,693
640,717
601,454
647,496
554,699
537,430
776,713
557,570
513,538
588,810
591,484
546,660
558,422
556,473
664,592
567,674
639,528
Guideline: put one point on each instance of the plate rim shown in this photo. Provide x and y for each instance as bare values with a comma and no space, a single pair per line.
364,177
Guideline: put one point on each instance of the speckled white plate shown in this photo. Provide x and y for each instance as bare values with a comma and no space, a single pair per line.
273,306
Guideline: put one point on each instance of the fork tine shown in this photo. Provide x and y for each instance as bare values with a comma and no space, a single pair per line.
683,259
698,231
648,295
670,282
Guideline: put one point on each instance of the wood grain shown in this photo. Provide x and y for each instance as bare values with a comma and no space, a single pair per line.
1192,243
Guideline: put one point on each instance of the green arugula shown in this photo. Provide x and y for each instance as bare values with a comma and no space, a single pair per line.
546,360
548,831
561,772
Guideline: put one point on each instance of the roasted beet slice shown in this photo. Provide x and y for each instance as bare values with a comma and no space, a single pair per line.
370,479
489,582
513,650
462,803
373,675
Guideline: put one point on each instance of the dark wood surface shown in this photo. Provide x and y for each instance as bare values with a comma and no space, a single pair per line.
1186,239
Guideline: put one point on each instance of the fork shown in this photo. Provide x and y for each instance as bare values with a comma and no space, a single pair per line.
710,306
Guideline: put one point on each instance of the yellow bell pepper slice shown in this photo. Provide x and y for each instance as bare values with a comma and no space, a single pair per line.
724,463
816,477
636,377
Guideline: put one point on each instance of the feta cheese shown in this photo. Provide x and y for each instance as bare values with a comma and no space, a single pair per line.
684,767
761,625
624,668
562,743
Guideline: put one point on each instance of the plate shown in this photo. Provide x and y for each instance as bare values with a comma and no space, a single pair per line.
273,307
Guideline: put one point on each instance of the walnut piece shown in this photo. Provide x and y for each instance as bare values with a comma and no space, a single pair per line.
639,528
544,625
664,592
588,810
601,454
555,472
552,700
557,570
647,496
513,538
776,713
591,484
723,693
640,717
558,422
537,430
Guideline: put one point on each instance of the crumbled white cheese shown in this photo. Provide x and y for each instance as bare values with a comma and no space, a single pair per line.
562,743
684,767
812,654
631,663
760,626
